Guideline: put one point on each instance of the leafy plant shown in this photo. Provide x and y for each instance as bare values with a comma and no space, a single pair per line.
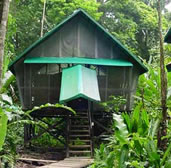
133,143
3,127
113,104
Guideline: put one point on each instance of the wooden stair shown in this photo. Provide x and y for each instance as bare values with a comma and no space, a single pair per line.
79,138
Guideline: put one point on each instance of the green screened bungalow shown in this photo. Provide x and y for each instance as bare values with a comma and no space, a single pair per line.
78,40
80,64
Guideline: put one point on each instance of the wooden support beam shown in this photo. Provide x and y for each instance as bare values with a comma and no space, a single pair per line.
36,160
28,140
106,129
67,137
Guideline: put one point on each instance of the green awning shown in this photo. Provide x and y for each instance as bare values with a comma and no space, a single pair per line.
77,60
79,82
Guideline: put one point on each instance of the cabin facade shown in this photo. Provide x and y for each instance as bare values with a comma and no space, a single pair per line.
79,64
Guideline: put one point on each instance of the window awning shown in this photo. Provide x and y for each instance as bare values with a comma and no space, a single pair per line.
77,60
79,82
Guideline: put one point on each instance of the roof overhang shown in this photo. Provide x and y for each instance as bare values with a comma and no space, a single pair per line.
77,60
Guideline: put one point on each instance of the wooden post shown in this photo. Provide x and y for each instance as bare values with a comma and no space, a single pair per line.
92,130
67,137
25,135
90,126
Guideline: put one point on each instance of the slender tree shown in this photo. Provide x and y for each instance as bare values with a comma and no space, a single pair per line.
4,8
162,143
43,19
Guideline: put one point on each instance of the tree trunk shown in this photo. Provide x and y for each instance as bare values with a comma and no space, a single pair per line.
4,6
162,144
43,19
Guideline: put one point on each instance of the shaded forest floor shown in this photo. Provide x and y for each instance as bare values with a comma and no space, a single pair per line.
32,159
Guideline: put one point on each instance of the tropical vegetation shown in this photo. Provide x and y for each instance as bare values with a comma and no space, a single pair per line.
137,136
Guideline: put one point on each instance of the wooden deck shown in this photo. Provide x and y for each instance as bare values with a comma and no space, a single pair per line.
72,162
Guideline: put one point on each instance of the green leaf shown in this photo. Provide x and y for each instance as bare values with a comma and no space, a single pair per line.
153,127
121,131
128,122
145,117
136,116
110,159
3,127
123,156
52,105
166,154
168,163
151,149
9,78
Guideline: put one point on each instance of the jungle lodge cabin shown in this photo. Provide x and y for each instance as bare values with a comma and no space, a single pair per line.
80,64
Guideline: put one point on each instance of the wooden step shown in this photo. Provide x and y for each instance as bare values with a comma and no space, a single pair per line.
80,117
80,126
79,146
82,111
87,131
81,140
80,114
79,136
79,152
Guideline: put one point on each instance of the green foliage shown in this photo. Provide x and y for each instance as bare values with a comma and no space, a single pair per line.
6,107
113,104
25,20
121,131
138,120
61,9
133,143
7,80
47,141
53,106
135,24
103,158
3,127
148,91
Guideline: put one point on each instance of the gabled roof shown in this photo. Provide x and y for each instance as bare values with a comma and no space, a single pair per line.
98,26
168,36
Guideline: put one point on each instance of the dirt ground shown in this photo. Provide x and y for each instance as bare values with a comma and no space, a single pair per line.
41,155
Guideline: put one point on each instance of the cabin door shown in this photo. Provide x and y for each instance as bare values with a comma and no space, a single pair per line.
79,104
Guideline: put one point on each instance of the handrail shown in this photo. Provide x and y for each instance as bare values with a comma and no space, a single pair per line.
90,126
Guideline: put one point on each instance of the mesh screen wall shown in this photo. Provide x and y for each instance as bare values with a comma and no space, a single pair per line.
41,84
77,38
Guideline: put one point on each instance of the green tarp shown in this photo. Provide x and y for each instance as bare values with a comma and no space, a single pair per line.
77,60
79,82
